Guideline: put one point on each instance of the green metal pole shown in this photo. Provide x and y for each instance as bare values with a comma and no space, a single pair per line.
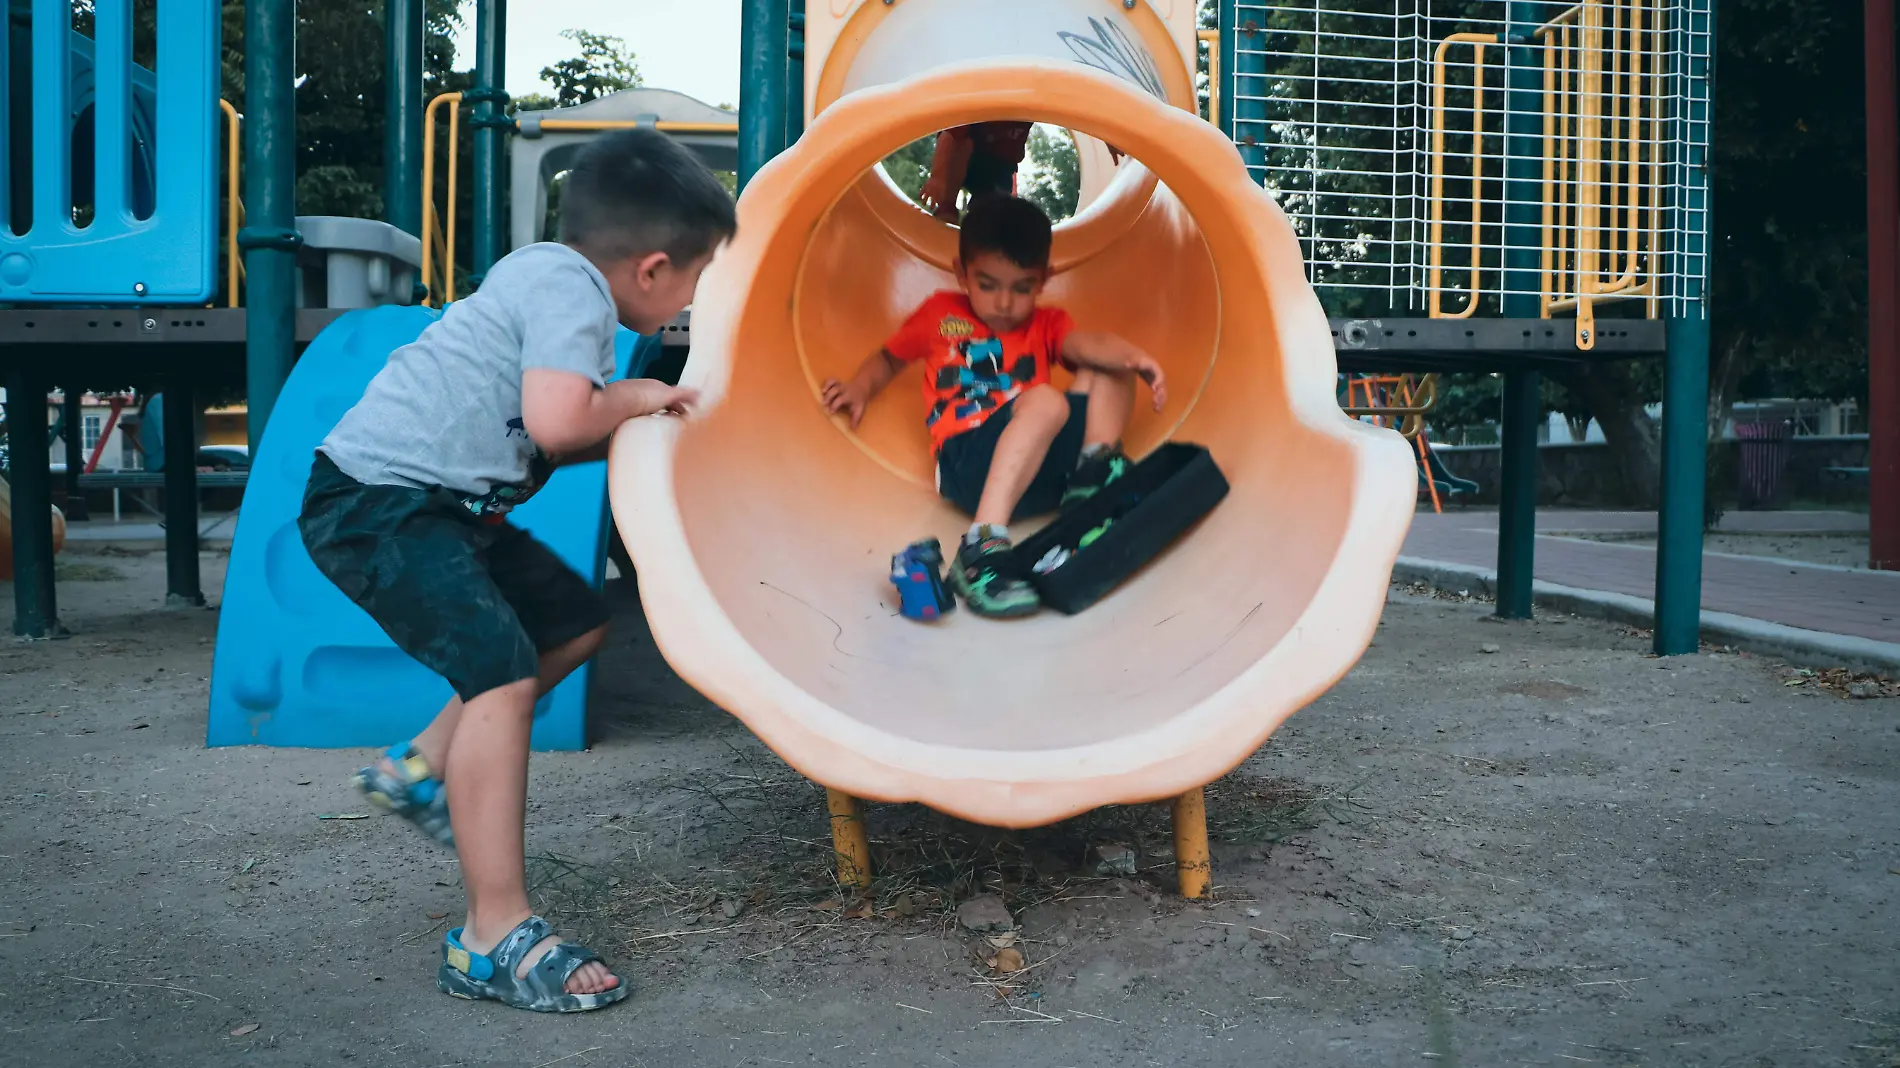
181,494
795,78
1523,194
269,238
491,124
1685,444
402,114
1685,450
1244,67
74,439
1517,515
35,608
764,44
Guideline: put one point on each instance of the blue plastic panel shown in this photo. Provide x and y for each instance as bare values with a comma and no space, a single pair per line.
155,153
297,664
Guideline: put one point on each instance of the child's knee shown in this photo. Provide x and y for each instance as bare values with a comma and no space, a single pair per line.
1044,404
584,647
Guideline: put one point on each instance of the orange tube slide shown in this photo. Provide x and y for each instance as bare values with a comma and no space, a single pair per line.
762,528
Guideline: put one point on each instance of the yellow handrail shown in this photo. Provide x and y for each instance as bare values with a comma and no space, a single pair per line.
1435,291
233,208
431,227
1211,38
630,124
1597,245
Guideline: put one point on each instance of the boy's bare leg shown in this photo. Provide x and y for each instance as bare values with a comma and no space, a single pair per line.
556,664
1111,402
1037,418
488,789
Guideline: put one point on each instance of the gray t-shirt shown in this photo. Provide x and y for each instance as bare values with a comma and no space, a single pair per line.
446,411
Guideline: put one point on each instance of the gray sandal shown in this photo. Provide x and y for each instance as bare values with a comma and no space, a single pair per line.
491,976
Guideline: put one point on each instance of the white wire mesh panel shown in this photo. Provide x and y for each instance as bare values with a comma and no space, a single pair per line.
1381,127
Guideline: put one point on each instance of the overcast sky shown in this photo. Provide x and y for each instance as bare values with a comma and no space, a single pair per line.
688,45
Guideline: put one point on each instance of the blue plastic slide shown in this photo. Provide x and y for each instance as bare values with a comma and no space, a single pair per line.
298,664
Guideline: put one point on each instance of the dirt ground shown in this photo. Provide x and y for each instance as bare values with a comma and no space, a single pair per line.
1558,852
1840,550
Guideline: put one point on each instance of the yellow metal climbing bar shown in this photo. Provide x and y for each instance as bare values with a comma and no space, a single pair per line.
849,842
1211,38
438,239
1435,285
587,125
233,207
1602,211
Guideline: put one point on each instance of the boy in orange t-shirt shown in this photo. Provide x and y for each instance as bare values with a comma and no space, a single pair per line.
1008,442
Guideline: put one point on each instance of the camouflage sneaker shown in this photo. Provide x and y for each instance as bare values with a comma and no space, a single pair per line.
412,791
986,577
1096,474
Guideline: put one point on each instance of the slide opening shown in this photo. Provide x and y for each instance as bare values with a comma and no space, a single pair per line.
875,238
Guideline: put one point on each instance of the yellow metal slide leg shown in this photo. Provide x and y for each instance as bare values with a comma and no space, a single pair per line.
849,841
1190,843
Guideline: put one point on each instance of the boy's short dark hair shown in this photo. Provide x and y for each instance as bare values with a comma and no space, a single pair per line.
1012,226
632,192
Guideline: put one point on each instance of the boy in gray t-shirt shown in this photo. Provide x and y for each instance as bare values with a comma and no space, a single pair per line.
407,512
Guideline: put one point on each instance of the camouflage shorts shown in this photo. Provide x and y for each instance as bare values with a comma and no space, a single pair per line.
474,602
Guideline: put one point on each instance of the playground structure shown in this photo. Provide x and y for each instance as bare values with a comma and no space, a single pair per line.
828,251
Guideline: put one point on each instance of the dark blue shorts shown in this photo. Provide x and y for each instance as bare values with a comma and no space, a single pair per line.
963,464
477,603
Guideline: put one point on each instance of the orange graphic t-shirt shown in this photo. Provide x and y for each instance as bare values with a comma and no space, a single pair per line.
969,372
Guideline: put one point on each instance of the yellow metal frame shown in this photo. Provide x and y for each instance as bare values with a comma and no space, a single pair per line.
1602,128
233,207
1211,38
630,124
1416,400
1413,406
438,229
438,241
851,845
1602,213
1435,283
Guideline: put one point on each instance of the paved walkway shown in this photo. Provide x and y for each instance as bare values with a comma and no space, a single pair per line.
1864,604
213,528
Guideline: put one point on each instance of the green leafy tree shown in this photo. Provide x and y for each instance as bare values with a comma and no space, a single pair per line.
603,65
1055,179
909,167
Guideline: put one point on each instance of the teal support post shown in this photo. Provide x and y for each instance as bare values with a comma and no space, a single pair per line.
1521,289
402,114
795,78
182,587
1685,452
74,421
269,238
35,609
491,124
1244,87
1685,444
1517,511
764,46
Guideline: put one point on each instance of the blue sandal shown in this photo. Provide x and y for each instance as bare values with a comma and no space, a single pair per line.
491,977
414,792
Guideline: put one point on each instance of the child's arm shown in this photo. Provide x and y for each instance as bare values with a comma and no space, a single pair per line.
567,414
949,165
1115,355
849,398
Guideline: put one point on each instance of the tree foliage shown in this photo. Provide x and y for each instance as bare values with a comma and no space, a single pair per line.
603,64
1054,181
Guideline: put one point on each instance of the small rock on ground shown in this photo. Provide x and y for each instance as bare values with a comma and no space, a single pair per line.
984,914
